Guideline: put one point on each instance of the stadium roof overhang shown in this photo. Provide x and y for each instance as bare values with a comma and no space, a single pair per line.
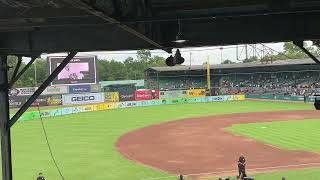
37,26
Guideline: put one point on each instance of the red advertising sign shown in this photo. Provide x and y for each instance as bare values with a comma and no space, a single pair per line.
142,94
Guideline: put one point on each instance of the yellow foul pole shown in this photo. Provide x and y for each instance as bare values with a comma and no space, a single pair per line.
208,75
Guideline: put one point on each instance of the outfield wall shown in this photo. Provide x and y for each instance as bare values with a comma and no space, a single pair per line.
283,98
32,115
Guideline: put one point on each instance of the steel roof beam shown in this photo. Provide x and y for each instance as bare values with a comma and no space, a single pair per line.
87,7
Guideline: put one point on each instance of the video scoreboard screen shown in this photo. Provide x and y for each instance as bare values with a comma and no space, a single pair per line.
80,70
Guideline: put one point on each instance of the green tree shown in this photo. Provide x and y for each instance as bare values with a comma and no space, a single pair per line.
143,55
294,52
130,68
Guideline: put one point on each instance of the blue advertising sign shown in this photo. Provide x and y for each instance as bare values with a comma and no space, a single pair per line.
74,89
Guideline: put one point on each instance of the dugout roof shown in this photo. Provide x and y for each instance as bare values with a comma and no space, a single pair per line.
36,26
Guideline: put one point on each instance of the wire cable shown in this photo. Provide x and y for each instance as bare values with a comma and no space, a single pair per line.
48,144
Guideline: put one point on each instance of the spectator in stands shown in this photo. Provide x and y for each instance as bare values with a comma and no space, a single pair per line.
40,177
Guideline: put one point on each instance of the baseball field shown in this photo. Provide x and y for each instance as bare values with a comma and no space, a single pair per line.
202,140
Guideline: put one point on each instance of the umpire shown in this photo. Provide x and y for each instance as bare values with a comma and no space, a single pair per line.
242,167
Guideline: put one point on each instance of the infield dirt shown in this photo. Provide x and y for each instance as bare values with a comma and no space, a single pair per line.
200,147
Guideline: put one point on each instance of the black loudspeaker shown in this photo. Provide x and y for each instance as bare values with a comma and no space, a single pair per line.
248,178
170,61
317,103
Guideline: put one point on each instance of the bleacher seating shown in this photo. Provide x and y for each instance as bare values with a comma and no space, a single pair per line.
277,83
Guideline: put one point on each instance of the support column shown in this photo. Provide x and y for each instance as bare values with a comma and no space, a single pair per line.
4,119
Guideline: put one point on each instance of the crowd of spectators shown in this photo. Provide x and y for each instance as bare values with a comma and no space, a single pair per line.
279,83
282,83
177,83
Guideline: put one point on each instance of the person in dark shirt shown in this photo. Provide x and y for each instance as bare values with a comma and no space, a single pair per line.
40,177
181,177
242,167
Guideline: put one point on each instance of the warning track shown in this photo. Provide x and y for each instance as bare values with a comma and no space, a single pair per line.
200,146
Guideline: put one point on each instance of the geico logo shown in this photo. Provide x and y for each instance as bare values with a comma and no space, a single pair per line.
83,98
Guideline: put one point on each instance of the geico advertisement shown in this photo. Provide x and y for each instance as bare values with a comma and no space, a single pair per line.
88,98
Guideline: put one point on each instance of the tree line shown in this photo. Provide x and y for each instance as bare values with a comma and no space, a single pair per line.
134,67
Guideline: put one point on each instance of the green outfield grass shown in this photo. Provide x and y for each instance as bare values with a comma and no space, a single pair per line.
84,143
291,135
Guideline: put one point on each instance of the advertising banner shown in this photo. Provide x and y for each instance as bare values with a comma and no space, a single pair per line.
17,101
102,106
112,105
126,96
48,100
155,102
216,98
142,94
196,93
45,113
53,90
127,104
28,91
55,112
95,88
74,89
111,97
88,98
77,109
87,108
278,97
66,111
173,94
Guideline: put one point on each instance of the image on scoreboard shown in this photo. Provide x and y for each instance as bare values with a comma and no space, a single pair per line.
80,70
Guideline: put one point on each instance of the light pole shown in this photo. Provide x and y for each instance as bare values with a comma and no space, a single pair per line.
221,49
190,58
35,73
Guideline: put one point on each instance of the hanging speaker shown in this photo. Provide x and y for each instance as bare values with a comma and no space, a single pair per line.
170,61
179,59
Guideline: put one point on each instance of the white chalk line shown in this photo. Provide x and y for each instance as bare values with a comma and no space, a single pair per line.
231,171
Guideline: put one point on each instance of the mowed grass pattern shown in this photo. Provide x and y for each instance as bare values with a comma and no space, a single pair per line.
84,144
290,135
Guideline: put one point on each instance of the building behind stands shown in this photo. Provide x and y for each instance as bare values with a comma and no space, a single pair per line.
285,77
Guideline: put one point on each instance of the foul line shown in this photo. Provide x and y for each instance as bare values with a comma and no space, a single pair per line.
231,171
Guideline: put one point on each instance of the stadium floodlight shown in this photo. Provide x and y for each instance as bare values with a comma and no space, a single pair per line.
179,38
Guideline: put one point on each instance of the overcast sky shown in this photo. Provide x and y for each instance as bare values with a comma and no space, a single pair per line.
198,55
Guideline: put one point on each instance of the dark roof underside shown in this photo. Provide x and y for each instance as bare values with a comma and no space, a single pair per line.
36,26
